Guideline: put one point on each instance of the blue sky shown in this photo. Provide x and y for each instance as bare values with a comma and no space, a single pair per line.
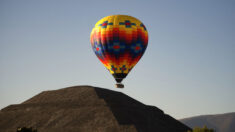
187,69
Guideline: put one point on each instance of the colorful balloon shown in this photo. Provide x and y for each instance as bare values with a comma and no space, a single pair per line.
119,41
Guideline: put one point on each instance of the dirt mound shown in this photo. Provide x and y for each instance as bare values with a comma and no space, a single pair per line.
87,109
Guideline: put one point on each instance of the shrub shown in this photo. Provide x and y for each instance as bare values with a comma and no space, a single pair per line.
26,129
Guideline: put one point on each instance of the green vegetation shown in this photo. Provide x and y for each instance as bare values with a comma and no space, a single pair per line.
26,129
204,129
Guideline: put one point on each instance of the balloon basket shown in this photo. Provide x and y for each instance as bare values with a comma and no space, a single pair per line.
119,85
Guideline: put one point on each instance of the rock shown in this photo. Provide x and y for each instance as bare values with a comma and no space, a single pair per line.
87,109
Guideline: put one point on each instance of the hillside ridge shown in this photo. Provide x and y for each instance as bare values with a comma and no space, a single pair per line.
220,122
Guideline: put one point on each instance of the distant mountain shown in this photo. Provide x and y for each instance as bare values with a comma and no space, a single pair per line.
87,109
219,122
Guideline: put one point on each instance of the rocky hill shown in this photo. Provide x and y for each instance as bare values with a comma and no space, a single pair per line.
86,109
219,122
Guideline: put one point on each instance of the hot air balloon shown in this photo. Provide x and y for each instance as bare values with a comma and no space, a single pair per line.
119,41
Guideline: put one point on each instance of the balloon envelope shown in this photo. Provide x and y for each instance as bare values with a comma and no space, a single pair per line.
119,41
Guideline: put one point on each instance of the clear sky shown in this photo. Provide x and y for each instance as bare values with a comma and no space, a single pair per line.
188,68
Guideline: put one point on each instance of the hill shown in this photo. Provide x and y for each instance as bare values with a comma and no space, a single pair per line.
219,122
87,109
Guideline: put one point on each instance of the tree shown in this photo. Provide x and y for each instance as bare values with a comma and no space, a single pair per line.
204,129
